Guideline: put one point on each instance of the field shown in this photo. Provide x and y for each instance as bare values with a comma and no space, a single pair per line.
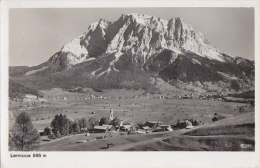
137,107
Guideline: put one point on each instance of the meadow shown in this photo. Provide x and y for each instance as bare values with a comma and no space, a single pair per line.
133,107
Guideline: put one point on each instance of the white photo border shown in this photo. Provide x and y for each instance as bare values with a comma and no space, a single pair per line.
124,159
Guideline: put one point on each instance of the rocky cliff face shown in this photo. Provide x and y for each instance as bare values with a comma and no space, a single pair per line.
138,36
134,50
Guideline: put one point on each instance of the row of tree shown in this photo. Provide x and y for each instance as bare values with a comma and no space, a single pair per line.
24,137
62,126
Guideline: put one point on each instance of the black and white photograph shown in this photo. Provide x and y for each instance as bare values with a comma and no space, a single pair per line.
131,79
103,85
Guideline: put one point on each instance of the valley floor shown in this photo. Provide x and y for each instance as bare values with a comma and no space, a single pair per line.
235,133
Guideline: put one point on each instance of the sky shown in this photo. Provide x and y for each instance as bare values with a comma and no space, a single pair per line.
36,34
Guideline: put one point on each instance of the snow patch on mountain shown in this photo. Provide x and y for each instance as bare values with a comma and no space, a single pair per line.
111,66
90,59
93,73
117,42
92,26
228,76
195,61
35,71
72,60
75,48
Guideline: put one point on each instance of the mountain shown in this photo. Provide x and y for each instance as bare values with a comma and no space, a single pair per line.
133,52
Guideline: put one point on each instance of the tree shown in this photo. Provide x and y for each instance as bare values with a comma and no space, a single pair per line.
60,124
116,122
23,136
104,120
234,85
47,131
92,122
74,128
82,124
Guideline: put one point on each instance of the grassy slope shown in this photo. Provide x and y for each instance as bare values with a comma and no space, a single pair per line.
219,136
129,75
17,90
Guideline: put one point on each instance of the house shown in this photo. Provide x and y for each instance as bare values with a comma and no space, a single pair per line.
188,124
99,129
166,127
146,128
126,127
152,124
110,127
141,131
162,128
41,132
189,127
186,97
184,124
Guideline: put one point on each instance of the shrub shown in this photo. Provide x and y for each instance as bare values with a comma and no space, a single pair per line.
218,117
58,135
195,123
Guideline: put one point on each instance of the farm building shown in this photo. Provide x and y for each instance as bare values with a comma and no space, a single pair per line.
141,132
158,129
126,127
110,127
99,129
166,127
152,123
41,132
184,124
146,128
162,128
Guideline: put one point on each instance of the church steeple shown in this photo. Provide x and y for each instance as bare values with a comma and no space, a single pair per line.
111,115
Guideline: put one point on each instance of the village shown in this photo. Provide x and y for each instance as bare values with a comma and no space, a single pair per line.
112,126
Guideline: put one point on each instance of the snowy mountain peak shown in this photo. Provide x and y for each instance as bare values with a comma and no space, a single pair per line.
140,37
103,23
